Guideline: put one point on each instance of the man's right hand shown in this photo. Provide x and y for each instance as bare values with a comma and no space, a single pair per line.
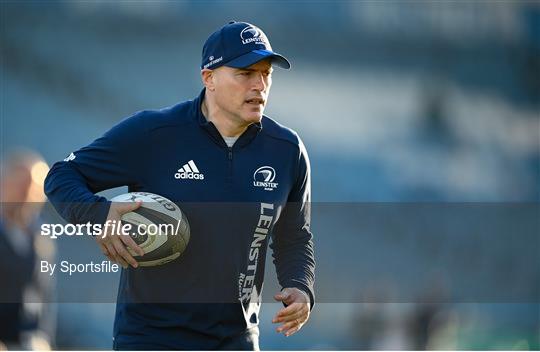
113,245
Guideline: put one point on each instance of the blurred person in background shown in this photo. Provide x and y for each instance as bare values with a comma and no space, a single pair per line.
26,320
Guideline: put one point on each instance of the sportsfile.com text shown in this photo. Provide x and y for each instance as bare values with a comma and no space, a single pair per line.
110,227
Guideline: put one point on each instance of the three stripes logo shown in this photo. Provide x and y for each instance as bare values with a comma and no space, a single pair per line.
189,172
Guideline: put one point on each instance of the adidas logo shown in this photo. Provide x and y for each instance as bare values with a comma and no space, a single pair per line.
189,171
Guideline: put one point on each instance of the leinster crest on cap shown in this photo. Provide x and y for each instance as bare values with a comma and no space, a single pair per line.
252,34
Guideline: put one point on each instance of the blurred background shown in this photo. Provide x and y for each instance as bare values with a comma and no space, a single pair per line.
401,104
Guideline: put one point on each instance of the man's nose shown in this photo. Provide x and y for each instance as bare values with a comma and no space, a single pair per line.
259,82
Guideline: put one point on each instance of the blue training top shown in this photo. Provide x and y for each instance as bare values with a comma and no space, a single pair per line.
234,198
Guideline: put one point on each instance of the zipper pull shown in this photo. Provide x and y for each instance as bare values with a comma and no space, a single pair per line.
230,153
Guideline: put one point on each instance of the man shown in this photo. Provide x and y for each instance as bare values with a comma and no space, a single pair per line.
24,323
260,168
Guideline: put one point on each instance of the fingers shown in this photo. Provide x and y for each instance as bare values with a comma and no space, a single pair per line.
106,252
295,315
115,256
282,317
292,325
293,330
123,253
283,296
114,245
287,327
293,318
115,250
126,207
131,244
290,309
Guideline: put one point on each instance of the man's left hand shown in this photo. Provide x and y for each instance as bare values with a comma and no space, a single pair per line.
296,314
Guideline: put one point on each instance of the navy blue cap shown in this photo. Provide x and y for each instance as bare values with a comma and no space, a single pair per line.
239,44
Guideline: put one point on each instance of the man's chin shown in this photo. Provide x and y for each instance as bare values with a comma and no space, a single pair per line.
253,118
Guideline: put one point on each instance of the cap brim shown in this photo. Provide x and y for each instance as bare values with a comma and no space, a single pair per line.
255,56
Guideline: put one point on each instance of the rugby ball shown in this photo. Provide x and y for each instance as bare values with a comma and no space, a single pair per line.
158,226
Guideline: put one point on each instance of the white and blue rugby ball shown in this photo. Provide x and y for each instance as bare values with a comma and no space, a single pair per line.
158,226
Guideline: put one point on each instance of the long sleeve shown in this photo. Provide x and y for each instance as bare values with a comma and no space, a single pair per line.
107,162
292,241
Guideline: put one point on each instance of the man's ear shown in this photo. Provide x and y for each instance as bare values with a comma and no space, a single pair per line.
207,77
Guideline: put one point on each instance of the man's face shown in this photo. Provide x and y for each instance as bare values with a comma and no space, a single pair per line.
242,93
